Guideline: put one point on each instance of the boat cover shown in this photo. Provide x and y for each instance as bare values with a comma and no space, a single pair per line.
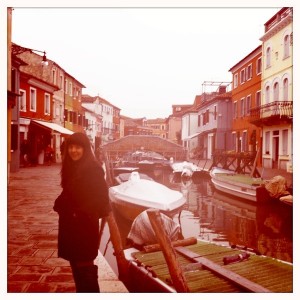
146,193
276,186
142,233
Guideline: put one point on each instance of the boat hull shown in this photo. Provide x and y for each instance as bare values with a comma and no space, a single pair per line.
130,211
227,182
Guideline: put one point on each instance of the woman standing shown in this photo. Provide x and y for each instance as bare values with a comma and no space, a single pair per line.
83,201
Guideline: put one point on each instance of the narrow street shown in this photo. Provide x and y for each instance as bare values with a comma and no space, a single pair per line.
33,265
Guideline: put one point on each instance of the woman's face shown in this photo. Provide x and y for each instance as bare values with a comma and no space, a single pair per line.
75,151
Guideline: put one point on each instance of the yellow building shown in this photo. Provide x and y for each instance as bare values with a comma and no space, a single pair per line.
276,110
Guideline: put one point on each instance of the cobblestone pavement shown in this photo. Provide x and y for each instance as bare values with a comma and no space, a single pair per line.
33,265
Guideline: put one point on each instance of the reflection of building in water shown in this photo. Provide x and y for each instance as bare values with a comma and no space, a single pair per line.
275,227
219,218
266,228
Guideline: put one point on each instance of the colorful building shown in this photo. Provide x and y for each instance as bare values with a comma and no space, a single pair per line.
275,115
246,95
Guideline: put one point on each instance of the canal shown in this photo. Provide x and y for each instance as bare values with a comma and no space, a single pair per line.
212,216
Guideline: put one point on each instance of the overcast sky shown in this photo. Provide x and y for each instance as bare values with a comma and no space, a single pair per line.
143,60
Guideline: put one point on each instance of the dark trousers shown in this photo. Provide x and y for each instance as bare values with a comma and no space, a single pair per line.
85,275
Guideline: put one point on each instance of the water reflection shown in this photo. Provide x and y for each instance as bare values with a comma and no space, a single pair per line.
216,217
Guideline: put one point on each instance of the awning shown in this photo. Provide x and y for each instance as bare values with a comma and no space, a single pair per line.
54,126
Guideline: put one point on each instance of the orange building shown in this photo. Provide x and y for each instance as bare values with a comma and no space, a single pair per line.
246,95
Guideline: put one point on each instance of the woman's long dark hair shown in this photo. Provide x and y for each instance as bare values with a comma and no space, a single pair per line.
72,168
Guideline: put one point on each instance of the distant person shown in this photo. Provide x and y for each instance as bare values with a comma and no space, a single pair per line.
49,154
62,149
82,202
24,150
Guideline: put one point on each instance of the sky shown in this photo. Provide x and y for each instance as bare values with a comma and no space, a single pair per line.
143,60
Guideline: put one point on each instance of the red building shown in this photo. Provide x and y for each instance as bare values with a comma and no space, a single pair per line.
35,110
246,95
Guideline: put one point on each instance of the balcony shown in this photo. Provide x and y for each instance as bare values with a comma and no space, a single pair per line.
273,113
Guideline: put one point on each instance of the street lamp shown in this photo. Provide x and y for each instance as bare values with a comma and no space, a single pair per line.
16,50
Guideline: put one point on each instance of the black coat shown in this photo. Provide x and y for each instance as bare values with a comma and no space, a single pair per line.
80,205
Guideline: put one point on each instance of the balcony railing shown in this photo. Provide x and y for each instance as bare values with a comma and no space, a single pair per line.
276,109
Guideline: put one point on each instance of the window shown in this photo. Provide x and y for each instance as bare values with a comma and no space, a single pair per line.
47,104
258,66
285,90
70,116
235,80
258,99
276,91
267,94
249,72
215,112
71,89
54,76
242,108
268,57
74,117
243,76
61,80
267,142
32,99
66,86
286,51
234,143
22,100
248,105
244,141
66,115
235,112
285,142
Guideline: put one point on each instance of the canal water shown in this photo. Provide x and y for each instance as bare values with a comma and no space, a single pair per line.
213,216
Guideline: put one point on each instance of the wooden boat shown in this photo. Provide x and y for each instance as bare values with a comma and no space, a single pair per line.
239,185
247,187
185,169
132,197
209,268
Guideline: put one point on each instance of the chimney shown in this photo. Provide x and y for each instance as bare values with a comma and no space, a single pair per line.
222,89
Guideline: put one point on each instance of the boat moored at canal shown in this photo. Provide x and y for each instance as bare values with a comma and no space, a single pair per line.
132,197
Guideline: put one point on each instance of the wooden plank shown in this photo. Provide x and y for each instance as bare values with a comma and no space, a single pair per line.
175,270
184,242
225,273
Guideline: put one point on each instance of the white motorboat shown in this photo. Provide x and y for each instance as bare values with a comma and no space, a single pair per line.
185,169
132,197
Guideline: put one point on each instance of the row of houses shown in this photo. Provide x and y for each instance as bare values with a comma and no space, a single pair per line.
50,106
254,112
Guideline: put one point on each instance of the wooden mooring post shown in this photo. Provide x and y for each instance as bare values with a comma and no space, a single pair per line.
118,248
175,270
